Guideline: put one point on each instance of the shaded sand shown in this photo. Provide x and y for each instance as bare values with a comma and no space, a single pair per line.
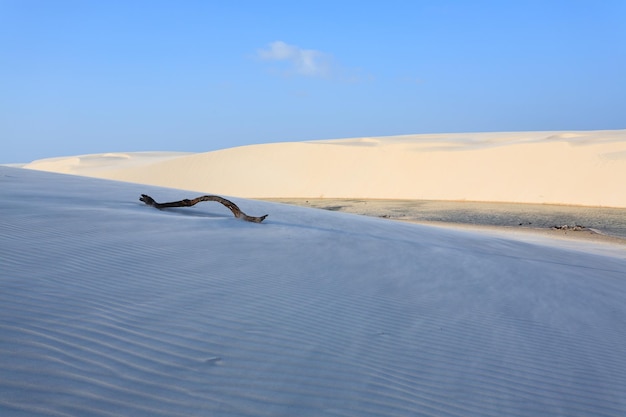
109,307
597,223
580,168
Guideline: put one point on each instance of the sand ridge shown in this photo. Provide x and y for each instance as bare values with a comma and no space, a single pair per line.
569,167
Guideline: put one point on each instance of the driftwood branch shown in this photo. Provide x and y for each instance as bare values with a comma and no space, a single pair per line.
188,203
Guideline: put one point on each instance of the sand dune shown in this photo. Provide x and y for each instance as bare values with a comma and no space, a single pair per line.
110,307
583,168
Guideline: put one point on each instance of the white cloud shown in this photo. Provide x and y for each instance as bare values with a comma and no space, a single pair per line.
307,62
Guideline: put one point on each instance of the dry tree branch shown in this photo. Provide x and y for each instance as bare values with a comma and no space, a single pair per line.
188,203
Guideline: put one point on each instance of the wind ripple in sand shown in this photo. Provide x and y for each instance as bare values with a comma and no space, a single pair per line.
112,309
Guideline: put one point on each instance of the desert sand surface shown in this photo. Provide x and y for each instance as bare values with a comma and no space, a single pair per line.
585,168
112,307
601,224
109,307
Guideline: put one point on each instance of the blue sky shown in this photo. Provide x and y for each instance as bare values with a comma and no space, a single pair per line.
83,76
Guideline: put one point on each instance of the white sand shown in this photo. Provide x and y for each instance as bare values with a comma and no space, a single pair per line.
109,307
582,168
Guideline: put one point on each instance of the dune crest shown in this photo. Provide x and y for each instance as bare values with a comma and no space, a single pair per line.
579,168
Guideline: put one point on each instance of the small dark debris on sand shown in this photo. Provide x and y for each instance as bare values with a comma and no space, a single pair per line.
575,228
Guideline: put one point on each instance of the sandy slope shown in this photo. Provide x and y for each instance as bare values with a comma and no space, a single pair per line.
109,307
584,168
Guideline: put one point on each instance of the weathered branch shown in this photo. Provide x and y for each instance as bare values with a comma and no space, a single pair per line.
188,203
